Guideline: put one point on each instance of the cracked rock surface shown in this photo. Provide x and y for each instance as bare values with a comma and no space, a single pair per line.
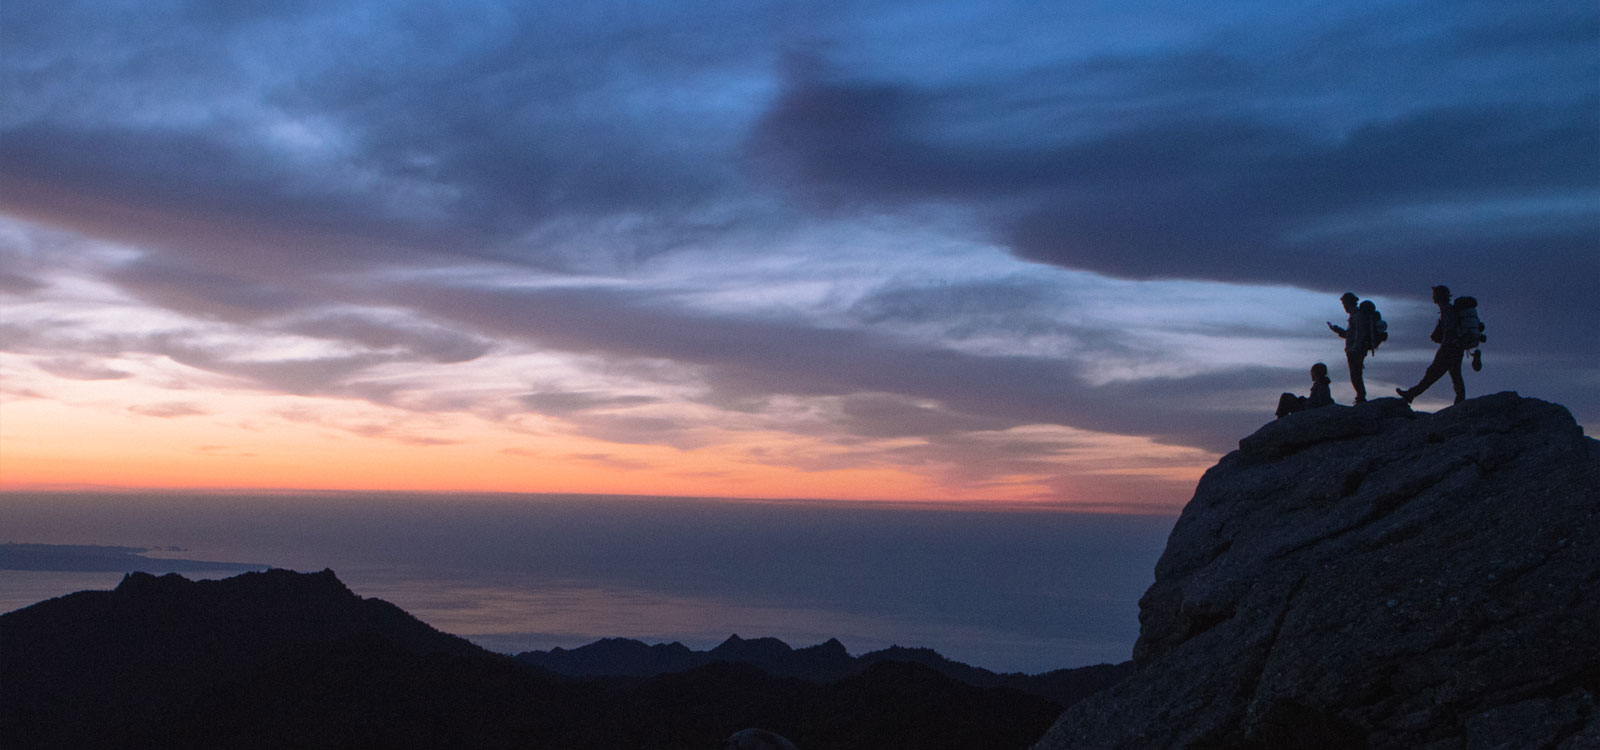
1374,577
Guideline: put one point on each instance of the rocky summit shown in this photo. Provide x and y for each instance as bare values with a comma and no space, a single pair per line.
1374,577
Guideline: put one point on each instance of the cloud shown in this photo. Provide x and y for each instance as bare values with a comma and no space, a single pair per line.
413,339
79,368
744,359
615,462
561,403
19,284
1187,164
300,375
168,410
207,201
206,294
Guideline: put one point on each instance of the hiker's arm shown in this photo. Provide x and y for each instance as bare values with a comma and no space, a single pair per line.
1337,330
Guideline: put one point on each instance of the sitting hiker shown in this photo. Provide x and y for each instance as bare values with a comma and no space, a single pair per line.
1321,393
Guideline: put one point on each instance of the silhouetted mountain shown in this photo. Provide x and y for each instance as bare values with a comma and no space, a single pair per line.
1371,577
161,657
823,663
283,659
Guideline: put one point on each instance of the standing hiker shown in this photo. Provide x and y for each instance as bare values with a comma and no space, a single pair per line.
1453,344
1366,330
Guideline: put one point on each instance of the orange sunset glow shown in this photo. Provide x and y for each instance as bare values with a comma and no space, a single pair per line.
88,436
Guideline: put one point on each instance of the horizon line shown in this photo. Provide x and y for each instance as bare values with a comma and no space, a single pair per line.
965,505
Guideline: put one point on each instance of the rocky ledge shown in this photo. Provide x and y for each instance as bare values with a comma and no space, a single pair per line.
1373,577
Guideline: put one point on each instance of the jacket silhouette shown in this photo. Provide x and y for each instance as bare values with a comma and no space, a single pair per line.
1448,358
1358,339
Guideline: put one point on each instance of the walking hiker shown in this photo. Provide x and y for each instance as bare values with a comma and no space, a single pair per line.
1321,393
1454,340
1365,331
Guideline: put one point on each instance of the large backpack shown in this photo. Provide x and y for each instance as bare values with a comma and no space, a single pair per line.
1377,328
1469,327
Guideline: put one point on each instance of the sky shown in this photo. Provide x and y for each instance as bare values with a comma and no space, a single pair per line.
1054,255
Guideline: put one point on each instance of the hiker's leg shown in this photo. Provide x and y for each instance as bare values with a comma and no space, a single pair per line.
1456,380
1436,369
1288,403
1356,363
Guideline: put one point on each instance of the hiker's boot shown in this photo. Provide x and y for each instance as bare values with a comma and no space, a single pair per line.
1405,394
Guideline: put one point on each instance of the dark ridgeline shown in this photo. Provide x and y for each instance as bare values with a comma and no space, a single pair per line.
283,659
823,663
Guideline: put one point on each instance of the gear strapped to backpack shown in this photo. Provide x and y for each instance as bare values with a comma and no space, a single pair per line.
1469,327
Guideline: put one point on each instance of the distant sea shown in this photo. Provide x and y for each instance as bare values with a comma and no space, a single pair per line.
1026,591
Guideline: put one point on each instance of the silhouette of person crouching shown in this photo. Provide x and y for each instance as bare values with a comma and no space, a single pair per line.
1321,393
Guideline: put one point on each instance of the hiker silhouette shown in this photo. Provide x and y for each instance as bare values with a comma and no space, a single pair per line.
1448,358
1365,331
1321,393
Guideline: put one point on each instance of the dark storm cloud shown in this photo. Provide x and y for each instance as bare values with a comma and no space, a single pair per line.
1228,201
1382,153
411,131
193,193
1222,199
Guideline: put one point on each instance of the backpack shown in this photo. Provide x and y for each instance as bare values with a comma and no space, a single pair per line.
1377,328
1469,327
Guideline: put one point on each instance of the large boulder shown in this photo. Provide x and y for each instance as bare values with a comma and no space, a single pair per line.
1374,577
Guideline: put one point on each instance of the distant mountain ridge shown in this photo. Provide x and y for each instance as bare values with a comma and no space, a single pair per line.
823,663
283,659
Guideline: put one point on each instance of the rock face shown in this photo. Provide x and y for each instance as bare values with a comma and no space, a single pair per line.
1373,577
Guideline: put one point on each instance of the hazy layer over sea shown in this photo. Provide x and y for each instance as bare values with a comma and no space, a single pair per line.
1007,590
